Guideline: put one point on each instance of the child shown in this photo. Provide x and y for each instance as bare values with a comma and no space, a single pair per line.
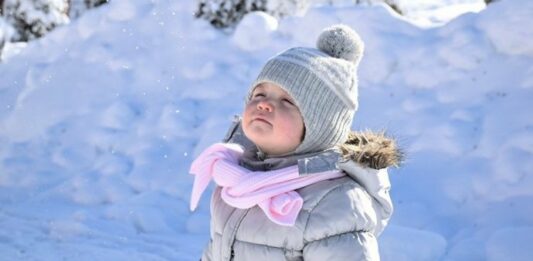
293,183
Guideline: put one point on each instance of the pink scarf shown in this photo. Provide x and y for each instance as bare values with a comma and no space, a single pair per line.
273,191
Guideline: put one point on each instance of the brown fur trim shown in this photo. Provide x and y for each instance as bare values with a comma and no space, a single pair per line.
373,150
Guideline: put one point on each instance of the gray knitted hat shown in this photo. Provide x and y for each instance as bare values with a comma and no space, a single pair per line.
323,83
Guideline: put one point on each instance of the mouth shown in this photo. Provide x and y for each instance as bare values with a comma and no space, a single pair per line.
261,119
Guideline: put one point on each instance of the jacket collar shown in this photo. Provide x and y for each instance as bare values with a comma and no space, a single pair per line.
369,149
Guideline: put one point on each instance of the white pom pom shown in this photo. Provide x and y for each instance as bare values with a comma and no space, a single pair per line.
341,41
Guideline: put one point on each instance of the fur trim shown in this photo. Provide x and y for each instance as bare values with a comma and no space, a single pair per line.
373,150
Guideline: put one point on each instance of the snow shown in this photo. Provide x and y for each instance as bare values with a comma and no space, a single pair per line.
254,31
422,245
506,36
511,243
433,13
100,120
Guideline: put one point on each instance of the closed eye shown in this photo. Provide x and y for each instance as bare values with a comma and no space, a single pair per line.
288,101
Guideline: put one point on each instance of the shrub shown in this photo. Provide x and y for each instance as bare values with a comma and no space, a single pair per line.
227,13
34,18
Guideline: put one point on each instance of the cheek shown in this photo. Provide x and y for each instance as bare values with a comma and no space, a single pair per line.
246,117
294,125
247,110
299,126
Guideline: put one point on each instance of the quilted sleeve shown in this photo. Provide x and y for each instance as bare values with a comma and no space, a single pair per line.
341,226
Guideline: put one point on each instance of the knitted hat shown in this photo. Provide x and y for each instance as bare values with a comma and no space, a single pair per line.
323,83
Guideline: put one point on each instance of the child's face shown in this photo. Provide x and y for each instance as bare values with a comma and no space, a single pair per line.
272,120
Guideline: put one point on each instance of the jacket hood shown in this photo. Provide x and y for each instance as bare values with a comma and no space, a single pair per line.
371,149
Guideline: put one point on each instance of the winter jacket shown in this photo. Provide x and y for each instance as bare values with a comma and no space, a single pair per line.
340,218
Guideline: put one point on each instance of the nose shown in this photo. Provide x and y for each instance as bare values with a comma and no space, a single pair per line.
265,106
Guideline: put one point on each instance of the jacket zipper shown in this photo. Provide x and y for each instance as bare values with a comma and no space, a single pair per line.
234,233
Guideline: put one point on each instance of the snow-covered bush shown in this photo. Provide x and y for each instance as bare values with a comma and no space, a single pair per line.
34,18
394,4
95,3
78,7
280,8
227,13
2,37
6,32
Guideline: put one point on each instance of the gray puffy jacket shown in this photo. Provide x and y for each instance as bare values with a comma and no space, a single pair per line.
340,218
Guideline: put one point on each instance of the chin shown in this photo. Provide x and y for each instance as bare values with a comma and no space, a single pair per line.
254,134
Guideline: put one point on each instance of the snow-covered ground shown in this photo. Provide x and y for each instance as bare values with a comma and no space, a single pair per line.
426,13
100,119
